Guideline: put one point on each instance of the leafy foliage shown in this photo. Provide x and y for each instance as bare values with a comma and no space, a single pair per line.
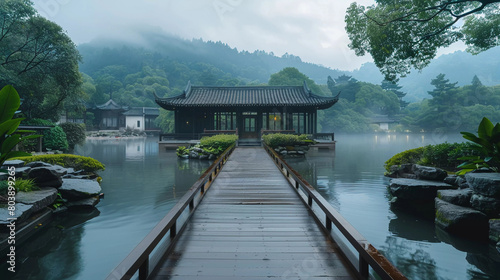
279,139
445,155
182,151
86,164
75,134
55,139
487,144
400,35
9,135
39,59
218,143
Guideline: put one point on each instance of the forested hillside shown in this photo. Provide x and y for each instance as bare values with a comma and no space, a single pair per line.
131,72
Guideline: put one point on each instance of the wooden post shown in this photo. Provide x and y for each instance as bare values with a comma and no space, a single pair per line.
173,230
363,267
144,270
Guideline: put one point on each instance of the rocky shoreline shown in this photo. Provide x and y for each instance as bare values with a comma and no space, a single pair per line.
467,206
60,189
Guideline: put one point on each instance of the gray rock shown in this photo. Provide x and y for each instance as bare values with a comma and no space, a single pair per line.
61,171
451,179
34,164
22,170
204,157
487,184
71,176
459,197
488,205
77,189
460,220
45,177
462,183
429,173
70,170
212,157
301,152
16,163
60,209
194,155
284,152
22,212
411,189
86,203
494,230
39,199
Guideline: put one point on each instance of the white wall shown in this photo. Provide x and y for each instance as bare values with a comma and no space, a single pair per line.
131,121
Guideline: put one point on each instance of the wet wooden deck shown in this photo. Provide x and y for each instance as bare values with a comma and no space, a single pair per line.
252,225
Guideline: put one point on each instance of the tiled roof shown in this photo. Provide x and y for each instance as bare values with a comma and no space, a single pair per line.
110,105
139,111
255,96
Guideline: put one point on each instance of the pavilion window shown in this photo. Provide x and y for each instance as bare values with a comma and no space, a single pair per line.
225,121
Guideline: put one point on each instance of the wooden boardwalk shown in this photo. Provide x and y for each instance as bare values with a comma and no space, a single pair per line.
252,225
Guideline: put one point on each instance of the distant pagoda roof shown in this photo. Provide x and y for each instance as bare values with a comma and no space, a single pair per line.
111,105
246,96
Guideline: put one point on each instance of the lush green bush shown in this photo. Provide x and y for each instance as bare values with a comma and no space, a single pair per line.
409,156
279,139
445,156
218,143
75,134
181,151
66,160
55,139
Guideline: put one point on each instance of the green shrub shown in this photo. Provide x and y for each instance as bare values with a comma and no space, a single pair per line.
66,160
21,185
181,151
445,156
55,139
26,185
75,134
279,139
218,143
409,156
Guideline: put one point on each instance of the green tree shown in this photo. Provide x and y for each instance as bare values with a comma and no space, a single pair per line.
346,85
400,35
291,76
395,88
38,58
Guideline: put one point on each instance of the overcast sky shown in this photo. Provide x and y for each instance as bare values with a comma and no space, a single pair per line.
311,29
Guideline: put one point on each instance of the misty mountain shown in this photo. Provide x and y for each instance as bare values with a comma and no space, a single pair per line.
216,63
458,67
154,48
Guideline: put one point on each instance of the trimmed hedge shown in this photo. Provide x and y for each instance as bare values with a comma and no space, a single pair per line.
445,156
75,133
66,160
279,139
218,143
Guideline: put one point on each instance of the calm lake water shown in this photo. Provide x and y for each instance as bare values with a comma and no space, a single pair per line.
141,184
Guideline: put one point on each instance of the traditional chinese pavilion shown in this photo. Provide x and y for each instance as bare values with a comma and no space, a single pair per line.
249,109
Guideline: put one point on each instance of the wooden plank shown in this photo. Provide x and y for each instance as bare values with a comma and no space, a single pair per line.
252,225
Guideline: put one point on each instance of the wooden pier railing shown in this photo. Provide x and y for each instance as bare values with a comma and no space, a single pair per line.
367,256
145,256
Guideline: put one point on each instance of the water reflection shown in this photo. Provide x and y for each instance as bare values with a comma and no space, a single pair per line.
352,180
141,184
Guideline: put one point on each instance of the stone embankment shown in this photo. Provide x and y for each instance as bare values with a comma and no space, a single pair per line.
59,189
463,205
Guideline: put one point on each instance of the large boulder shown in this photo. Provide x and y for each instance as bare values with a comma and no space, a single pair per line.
39,199
77,189
461,220
488,205
411,189
487,184
22,212
45,176
34,164
429,173
459,197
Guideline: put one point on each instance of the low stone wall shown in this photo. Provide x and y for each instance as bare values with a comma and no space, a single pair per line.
292,151
467,206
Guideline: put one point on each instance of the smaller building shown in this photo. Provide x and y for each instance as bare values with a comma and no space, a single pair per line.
382,121
142,118
109,116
